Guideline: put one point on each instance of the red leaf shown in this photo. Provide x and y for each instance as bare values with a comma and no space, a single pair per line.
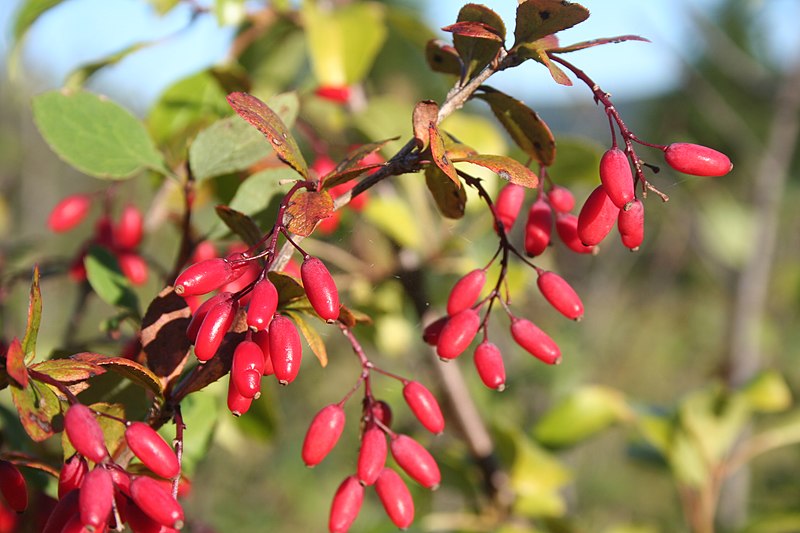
15,363
468,28
439,154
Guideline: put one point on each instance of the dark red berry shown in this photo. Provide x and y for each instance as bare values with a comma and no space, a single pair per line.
65,510
247,368
560,294
630,224
216,324
13,486
320,288
465,292
535,341
567,229
416,461
490,367
395,497
84,432
597,217
372,455
381,412
346,504
322,166
130,228
538,228
141,523
205,276
69,212
96,498
72,474
263,304
509,202
561,199
458,333
156,502
424,406
152,450
697,160
262,339
616,177
284,349
323,434
432,331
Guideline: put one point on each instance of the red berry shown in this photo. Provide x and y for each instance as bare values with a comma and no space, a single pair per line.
560,294
697,160
263,304
597,217
247,368
69,212
335,93
203,250
346,504
215,325
121,479
567,229
415,460
237,404
134,267
323,434
156,502
141,523
323,165
489,363
432,331
65,510
372,455
205,276
74,525
84,432
381,411
538,228
320,288
458,333
200,314
424,406
104,232
561,199
13,486
630,224
329,224
535,341
96,498
616,177
395,497
284,349
509,202
152,450
262,339
72,474
465,292
130,228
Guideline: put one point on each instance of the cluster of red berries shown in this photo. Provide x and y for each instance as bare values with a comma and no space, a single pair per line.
122,239
105,496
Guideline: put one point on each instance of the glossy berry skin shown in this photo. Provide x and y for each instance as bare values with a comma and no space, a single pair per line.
212,331
630,224
320,288
490,367
697,160
156,502
432,331
567,230
129,229
205,276
262,339
508,204
68,213
237,403
560,295
72,474
372,455
395,497
262,306
323,434
597,217
200,314
96,498
538,228
346,505
616,177
247,368
561,199
13,486
64,511
416,461
535,341
152,450
141,523
424,406
458,333
284,349
84,432
466,291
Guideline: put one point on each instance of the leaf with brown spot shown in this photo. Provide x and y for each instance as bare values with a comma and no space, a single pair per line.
439,154
239,223
425,113
523,124
34,317
477,52
450,199
505,167
306,209
269,123
163,335
538,18
139,374
313,338
443,58
37,406
15,363
351,317
478,30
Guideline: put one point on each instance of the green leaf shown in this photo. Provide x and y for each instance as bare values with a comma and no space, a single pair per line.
37,405
164,6
313,338
28,13
538,51
108,281
450,199
505,167
229,145
201,414
714,420
687,461
139,374
523,124
539,18
68,370
95,135
477,52
442,57
239,223
768,392
343,42
34,317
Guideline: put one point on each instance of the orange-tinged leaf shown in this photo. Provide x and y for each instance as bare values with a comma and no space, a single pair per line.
15,363
306,209
37,406
163,335
425,113
313,338
439,154
442,57
505,167
479,30
68,370
139,374
351,166
34,317
351,317
538,18
450,199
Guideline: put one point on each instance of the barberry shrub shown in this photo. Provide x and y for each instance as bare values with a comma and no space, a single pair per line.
272,258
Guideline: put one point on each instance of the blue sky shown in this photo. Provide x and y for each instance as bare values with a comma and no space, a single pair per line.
78,31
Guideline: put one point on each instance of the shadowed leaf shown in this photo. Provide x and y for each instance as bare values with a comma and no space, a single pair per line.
306,209
442,57
34,317
312,337
538,18
37,406
450,199
15,363
439,155
534,51
505,167
139,374
351,317
108,281
163,335
239,223
478,51
425,113
289,289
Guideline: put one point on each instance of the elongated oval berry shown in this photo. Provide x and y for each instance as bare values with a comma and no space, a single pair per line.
247,368
424,406
323,434
561,199
156,502
538,228
66,508
69,212
490,367
509,202
284,349
200,314
215,325
465,292
432,331
72,474
458,333
152,450
597,217
567,229
372,455
85,433
96,498
263,304
205,276
616,177
134,267
560,294
535,341
13,486
237,404
395,497
130,228
416,461
346,505
320,288
631,225
141,523
262,339
697,160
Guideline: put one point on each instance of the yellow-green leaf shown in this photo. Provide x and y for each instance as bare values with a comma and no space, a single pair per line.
505,167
